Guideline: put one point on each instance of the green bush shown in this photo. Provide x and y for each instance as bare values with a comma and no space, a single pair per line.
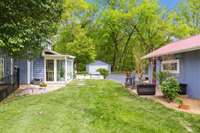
170,88
179,101
104,72
43,84
162,76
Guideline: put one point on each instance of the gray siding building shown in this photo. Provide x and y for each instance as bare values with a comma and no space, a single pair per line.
182,60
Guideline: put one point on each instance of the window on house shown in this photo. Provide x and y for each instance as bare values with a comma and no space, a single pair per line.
171,66
1,69
50,70
60,70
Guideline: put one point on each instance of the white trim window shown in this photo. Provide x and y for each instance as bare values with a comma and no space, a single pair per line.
54,70
171,66
1,69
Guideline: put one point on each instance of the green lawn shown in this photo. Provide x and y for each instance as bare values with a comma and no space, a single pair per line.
91,107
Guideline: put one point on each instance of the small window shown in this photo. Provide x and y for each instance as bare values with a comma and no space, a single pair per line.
1,69
171,66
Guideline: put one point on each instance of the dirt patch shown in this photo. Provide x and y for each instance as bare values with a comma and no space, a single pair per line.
193,104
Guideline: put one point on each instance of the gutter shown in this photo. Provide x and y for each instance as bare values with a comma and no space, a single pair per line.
171,53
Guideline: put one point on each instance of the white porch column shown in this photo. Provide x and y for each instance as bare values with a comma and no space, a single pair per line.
73,69
28,72
66,70
45,70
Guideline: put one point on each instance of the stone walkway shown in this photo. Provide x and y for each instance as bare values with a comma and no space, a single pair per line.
194,104
35,89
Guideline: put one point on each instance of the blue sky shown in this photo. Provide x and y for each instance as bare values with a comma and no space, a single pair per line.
169,3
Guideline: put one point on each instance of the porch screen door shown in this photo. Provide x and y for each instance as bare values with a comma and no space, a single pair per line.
50,70
1,69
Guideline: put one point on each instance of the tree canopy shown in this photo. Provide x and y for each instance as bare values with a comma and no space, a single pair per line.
120,32
73,34
25,24
189,14
124,26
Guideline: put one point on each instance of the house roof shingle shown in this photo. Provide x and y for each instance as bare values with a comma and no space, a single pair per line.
180,46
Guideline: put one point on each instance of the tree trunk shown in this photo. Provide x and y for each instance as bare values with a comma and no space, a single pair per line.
126,47
116,50
114,61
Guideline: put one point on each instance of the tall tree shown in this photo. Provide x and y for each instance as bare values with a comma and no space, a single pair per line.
156,26
76,42
25,24
189,14
74,32
115,30
124,24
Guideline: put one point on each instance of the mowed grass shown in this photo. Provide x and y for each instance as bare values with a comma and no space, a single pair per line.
92,107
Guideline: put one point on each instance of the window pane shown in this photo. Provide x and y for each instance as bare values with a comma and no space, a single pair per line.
50,70
170,66
174,66
61,70
69,70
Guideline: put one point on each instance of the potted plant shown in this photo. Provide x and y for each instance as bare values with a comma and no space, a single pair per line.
43,85
181,105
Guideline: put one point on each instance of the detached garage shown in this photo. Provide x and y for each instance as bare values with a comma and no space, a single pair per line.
93,67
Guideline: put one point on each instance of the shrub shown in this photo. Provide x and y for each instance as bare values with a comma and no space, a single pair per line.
170,88
162,76
42,84
104,72
179,101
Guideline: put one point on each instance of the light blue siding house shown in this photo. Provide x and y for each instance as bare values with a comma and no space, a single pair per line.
182,60
51,67
5,66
